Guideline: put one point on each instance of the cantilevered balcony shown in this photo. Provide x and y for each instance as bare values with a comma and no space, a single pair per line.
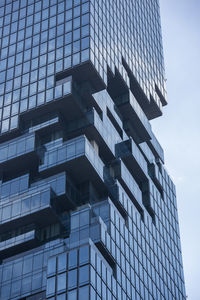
103,132
106,208
66,194
161,94
84,72
115,192
129,152
150,104
119,171
20,153
156,176
136,124
102,239
63,98
134,118
148,200
36,208
147,152
78,157
155,147
85,224
17,244
43,124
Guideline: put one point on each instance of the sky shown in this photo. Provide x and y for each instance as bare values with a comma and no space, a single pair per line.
178,130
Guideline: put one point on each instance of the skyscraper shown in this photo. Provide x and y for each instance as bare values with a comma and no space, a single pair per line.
87,209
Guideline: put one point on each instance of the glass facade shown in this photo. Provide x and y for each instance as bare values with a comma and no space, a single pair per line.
87,208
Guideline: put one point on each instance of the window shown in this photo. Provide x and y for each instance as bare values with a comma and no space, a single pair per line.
50,286
25,205
51,269
37,281
27,266
61,297
83,255
84,293
6,213
72,295
37,261
26,284
72,279
61,282
15,288
83,274
7,273
85,43
14,187
16,208
62,262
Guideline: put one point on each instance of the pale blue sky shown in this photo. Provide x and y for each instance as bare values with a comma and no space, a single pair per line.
179,129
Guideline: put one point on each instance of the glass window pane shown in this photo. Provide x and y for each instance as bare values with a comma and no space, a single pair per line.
62,262
12,149
61,297
50,286
72,259
7,273
14,187
84,255
17,268
27,266
5,291
26,205
74,222
37,261
84,293
37,281
16,208
61,282
72,279
26,284
44,198
35,201
6,214
51,268
83,274
72,295
5,190
84,218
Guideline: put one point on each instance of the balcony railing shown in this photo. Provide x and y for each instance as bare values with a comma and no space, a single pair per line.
20,152
38,207
133,114
156,176
17,147
121,173
156,147
78,157
19,243
133,158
